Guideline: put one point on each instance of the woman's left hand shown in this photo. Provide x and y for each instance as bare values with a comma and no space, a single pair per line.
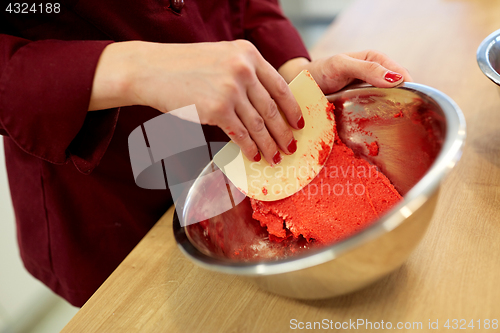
335,72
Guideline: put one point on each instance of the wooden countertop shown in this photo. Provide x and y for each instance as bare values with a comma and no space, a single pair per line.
453,274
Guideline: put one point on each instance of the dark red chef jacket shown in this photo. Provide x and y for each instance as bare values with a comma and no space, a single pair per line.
78,210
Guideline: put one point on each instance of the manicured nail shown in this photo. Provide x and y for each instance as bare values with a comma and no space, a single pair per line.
257,157
292,146
301,123
392,77
277,158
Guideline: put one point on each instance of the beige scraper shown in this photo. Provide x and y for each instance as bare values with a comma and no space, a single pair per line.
259,180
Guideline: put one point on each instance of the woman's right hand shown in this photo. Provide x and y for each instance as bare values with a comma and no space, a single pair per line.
230,83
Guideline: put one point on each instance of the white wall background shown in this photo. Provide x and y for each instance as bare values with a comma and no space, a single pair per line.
312,17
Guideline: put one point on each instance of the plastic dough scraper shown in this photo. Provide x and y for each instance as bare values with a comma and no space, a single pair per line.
258,180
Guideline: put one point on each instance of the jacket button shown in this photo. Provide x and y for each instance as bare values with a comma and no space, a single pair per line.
177,5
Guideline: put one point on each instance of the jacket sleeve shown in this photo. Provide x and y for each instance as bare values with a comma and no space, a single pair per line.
272,33
45,89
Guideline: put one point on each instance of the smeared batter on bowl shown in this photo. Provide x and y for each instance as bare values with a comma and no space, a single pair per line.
345,197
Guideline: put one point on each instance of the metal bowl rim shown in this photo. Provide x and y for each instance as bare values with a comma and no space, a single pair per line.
483,59
412,201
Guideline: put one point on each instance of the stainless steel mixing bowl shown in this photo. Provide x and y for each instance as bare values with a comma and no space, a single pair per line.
420,132
488,57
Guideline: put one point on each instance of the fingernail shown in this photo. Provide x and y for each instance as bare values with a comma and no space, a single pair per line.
277,158
301,123
392,77
292,146
257,157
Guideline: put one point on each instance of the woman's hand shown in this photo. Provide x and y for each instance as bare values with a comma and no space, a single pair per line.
230,83
334,73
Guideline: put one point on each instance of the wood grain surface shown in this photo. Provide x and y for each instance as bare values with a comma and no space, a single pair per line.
453,274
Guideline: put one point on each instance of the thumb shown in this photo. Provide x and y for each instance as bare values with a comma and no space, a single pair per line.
372,73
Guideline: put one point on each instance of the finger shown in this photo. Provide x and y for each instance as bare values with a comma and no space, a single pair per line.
369,71
256,127
384,60
407,76
277,88
276,125
237,132
389,64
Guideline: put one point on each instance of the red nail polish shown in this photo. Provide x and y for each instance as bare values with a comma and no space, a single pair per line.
277,158
257,157
292,146
392,77
301,123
